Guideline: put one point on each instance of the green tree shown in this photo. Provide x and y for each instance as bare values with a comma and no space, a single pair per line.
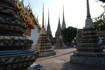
69,34
102,0
99,22
100,25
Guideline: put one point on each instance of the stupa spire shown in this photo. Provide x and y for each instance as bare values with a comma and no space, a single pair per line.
49,33
43,25
58,36
63,22
63,13
43,16
88,9
48,17
59,26
88,22
44,44
58,31
59,22
48,26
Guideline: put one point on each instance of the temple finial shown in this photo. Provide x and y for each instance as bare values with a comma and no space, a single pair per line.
88,22
59,26
49,32
63,14
88,9
43,16
48,20
59,20
63,22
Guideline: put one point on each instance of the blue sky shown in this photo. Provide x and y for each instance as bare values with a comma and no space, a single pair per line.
75,11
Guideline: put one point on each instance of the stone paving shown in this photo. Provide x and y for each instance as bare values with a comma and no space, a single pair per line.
61,61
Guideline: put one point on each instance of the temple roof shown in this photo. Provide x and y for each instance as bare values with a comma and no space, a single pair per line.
27,14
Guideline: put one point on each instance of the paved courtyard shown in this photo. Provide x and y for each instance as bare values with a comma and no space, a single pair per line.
61,61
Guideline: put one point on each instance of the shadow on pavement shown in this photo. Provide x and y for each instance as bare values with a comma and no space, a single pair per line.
71,66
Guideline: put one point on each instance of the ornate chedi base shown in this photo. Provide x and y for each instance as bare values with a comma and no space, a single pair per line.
89,51
15,53
59,43
44,46
14,43
17,59
89,58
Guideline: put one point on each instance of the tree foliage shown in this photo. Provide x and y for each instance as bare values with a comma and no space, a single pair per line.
69,34
100,25
99,22
102,0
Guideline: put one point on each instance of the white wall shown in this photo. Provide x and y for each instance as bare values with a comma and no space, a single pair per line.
34,36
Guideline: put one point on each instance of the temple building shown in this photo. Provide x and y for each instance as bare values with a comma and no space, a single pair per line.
15,52
63,22
49,32
89,49
43,44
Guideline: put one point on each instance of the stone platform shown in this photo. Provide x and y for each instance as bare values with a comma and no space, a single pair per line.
89,58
